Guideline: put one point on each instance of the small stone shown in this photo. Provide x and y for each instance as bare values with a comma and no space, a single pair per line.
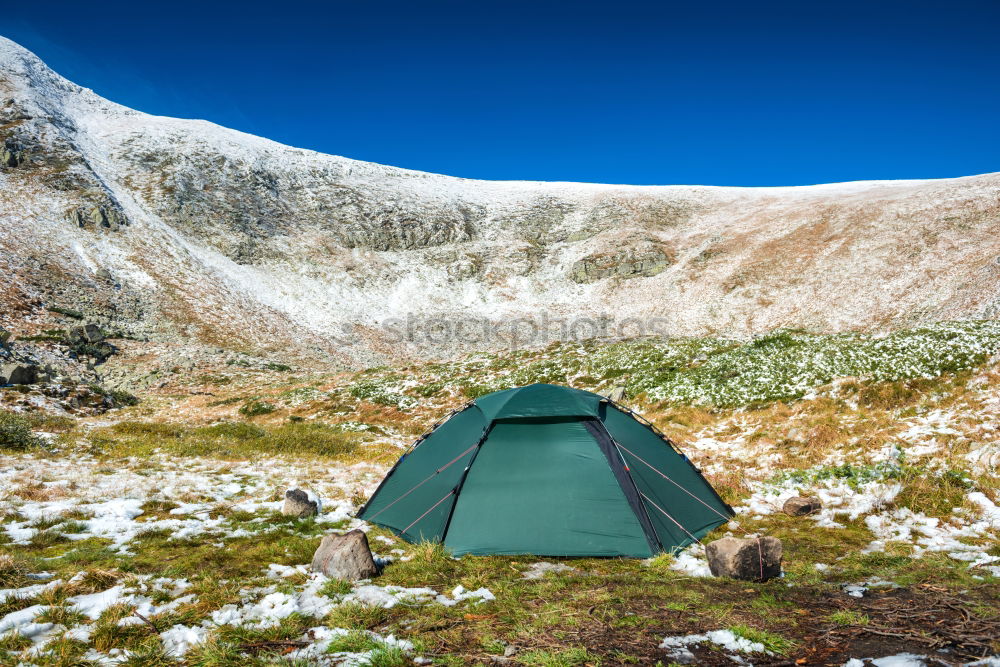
298,503
347,557
753,559
802,506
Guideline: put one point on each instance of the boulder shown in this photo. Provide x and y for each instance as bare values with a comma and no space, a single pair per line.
4,336
347,557
88,333
801,506
298,503
752,559
18,374
617,395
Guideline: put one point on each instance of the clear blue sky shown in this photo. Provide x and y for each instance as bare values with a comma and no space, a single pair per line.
725,93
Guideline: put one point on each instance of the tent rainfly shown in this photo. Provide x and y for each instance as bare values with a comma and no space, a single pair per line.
551,471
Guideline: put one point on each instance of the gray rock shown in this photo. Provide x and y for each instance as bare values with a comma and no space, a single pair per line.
18,374
801,506
297,503
617,394
88,333
753,559
347,557
4,336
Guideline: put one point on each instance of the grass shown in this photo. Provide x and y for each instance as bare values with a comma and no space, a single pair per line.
849,617
709,372
772,642
225,439
566,658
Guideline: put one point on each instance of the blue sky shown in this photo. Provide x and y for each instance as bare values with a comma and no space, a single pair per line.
721,93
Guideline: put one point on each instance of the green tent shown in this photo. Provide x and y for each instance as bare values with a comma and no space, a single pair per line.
546,470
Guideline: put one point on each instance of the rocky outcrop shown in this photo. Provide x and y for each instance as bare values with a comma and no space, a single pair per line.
627,263
347,557
88,333
107,215
752,559
12,154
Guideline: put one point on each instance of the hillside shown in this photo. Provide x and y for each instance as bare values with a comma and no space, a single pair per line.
182,234
153,535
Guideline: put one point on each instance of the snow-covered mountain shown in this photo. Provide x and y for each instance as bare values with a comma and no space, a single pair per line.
183,230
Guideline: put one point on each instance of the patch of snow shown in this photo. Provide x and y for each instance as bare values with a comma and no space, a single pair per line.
725,639
179,639
540,569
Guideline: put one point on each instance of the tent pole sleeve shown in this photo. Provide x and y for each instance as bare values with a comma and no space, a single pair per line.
652,427
461,482
609,448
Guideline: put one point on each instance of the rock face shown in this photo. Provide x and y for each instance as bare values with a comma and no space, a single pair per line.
18,374
754,559
630,263
346,557
297,503
801,506
107,215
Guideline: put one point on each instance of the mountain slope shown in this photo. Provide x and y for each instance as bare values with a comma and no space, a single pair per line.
179,230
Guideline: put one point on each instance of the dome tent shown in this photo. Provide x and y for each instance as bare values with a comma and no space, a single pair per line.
546,470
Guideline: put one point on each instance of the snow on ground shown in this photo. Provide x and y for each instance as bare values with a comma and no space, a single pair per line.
914,660
261,608
108,503
540,569
726,640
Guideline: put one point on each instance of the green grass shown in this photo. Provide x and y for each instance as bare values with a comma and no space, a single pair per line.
224,440
780,366
566,658
849,617
772,642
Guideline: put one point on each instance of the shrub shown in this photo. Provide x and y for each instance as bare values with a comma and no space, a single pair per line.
271,366
15,433
256,408
75,314
119,396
